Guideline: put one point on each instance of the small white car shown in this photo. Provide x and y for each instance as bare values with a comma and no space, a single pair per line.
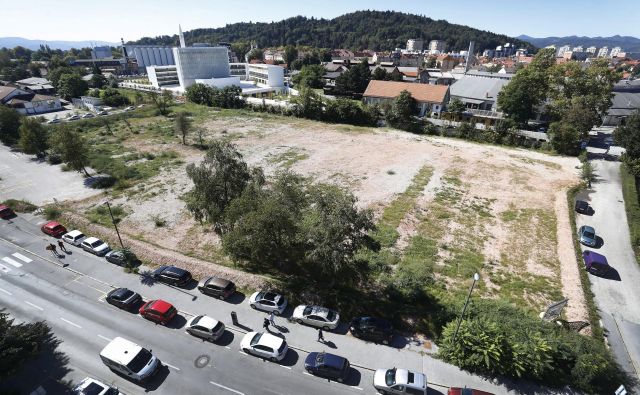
205,327
103,113
400,381
129,108
95,387
73,118
75,238
317,316
88,115
270,302
95,246
264,345
55,120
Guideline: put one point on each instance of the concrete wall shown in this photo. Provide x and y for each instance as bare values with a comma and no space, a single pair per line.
200,63
219,82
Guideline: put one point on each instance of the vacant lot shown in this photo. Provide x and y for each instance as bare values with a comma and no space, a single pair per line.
445,207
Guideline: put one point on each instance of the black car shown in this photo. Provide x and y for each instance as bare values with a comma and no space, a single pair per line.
217,287
123,298
327,365
373,329
172,275
582,207
119,258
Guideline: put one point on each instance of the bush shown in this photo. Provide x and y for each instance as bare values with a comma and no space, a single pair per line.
158,221
54,159
52,212
103,182
100,215
20,206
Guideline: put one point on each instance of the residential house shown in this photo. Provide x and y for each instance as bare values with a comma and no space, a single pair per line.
626,101
439,77
28,103
414,74
429,98
479,93
446,62
341,54
36,85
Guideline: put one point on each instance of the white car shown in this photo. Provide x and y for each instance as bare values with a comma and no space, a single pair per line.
55,120
75,237
73,118
317,316
270,302
103,113
95,246
399,381
264,345
205,327
88,115
129,108
90,386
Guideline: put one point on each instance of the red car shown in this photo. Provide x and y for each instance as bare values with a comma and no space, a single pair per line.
6,212
466,391
158,311
54,228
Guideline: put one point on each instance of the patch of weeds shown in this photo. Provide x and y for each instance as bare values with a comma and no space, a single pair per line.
20,206
100,214
288,158
52,212
158,220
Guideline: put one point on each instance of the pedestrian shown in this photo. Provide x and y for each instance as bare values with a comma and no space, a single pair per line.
265,324
53,248
272,319
320,336
61,245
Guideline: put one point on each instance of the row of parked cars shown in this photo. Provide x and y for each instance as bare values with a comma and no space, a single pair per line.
121,354
594,263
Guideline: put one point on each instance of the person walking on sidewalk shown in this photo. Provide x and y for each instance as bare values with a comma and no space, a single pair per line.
272,319
52,248
61,245
320,335
265,324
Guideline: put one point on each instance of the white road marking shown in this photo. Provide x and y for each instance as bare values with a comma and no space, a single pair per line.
71,323
5,291
358,388
33,305
4,268
286,367
227,347
171,366
104,338
227,388
11,261
242,352
22,257
308,374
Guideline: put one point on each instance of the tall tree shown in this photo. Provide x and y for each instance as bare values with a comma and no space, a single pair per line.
628,136
72,148
9,125
380,74
565,137
97,81
308,104
71,85
162,101
290,54
33,137
182,125
310,76
200,94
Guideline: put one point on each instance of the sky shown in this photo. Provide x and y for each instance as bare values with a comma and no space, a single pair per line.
77,20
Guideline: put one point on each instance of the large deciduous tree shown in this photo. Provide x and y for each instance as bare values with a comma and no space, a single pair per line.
310,76
72,148
308,104
71,85
33,137
162,101
628,136
9,125
290,54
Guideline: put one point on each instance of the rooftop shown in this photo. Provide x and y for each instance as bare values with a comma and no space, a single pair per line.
479,88
420,92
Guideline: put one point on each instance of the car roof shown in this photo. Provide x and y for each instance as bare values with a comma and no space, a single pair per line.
319,310
120,291
74,233
378,322
90,240
333,360
4,207
121,350
206,321
270,340
160,306
52,224
594,257
588,228
174,269
218,281
402,377
268,295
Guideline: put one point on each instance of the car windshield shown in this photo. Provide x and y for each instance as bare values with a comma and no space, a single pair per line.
307,310
256,339
390,377
589,234
96,243
126,294
196,320
91,389
217,327
56,228
139,361
331,315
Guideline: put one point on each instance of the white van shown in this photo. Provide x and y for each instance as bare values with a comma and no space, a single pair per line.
129,359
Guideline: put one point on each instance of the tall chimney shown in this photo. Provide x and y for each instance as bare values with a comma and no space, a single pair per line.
469,56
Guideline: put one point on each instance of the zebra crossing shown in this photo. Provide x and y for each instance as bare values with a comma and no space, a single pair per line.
14,260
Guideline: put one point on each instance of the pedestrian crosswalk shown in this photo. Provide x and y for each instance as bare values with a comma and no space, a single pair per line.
16,260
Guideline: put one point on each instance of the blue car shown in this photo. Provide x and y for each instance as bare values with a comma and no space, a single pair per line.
330,366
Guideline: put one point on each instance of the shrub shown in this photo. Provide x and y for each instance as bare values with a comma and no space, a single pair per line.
158,220
103,182
20,206
52,212
54,159
100,215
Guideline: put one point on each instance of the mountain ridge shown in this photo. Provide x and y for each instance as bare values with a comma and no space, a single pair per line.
34,44
627,43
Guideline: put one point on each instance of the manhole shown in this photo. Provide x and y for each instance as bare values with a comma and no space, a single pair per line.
202,361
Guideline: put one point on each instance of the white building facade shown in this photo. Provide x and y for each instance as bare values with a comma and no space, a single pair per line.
602,53
200,63
266,75
415,45
160,76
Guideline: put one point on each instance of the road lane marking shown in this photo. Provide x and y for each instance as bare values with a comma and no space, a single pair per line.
171,366
71,323
33,305
227,347
242,352
227,388
308,374
104,338
11,261
286,367
358,388
5,291
22,257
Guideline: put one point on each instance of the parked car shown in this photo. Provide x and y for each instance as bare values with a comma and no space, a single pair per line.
172,275
89,386
217,287
371,328
52,121
103,113
53,228
6,212
317,316
205,327
595,263
119,257
75,238
158,311
330,366
88,115
587,236
264,345
130,360
268,301
399,381
123,298
73,118
129,108
95,246
466,391
582,207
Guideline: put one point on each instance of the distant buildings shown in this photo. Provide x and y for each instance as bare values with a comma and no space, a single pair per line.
591,50
602,52
208,65
562,50
437,46
415,45
36,85
429,98
101,52
615,51
150,55
28,103
579,48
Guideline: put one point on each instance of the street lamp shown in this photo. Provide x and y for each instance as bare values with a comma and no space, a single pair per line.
476,277
106,202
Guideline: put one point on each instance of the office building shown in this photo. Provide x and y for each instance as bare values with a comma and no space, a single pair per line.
602,53
578,49
615,51
437,45
591,50
415,45
239,70
561,51
266,75
150,55
201,63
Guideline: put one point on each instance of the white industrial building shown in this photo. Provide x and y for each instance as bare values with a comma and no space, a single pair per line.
160,76
415,45
150,55
201,63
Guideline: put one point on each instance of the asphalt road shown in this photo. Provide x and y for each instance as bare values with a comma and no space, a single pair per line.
616,294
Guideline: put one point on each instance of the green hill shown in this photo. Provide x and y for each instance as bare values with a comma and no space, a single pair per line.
377,30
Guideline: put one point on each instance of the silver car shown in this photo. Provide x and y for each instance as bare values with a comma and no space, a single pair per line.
317,316
399,381
587,236
205,327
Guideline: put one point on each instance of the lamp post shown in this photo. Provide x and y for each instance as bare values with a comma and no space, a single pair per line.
476,277
114,222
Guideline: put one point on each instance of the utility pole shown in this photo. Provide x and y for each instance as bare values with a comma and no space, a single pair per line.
476,277
114,222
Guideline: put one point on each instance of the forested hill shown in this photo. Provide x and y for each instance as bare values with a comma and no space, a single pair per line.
377,30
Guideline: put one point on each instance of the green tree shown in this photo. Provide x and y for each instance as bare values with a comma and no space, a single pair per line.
401,112
9,125
200,94
290,54
55,74
354,80
72,148
628,136
20,343
380,74
138,98
349,111
565,138
308,104
112,97
228,97
182,125
162,101
457,107
97,81
255,54
33,137
71,85
310,76
218,180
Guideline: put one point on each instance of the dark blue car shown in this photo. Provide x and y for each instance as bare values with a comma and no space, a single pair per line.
330,366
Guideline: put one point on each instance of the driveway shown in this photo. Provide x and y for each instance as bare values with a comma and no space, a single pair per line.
24,177
616,294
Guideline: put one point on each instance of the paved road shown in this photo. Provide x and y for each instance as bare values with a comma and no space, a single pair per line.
617,294
24,177
74,293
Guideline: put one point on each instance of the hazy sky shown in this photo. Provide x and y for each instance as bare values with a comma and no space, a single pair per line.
132,19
